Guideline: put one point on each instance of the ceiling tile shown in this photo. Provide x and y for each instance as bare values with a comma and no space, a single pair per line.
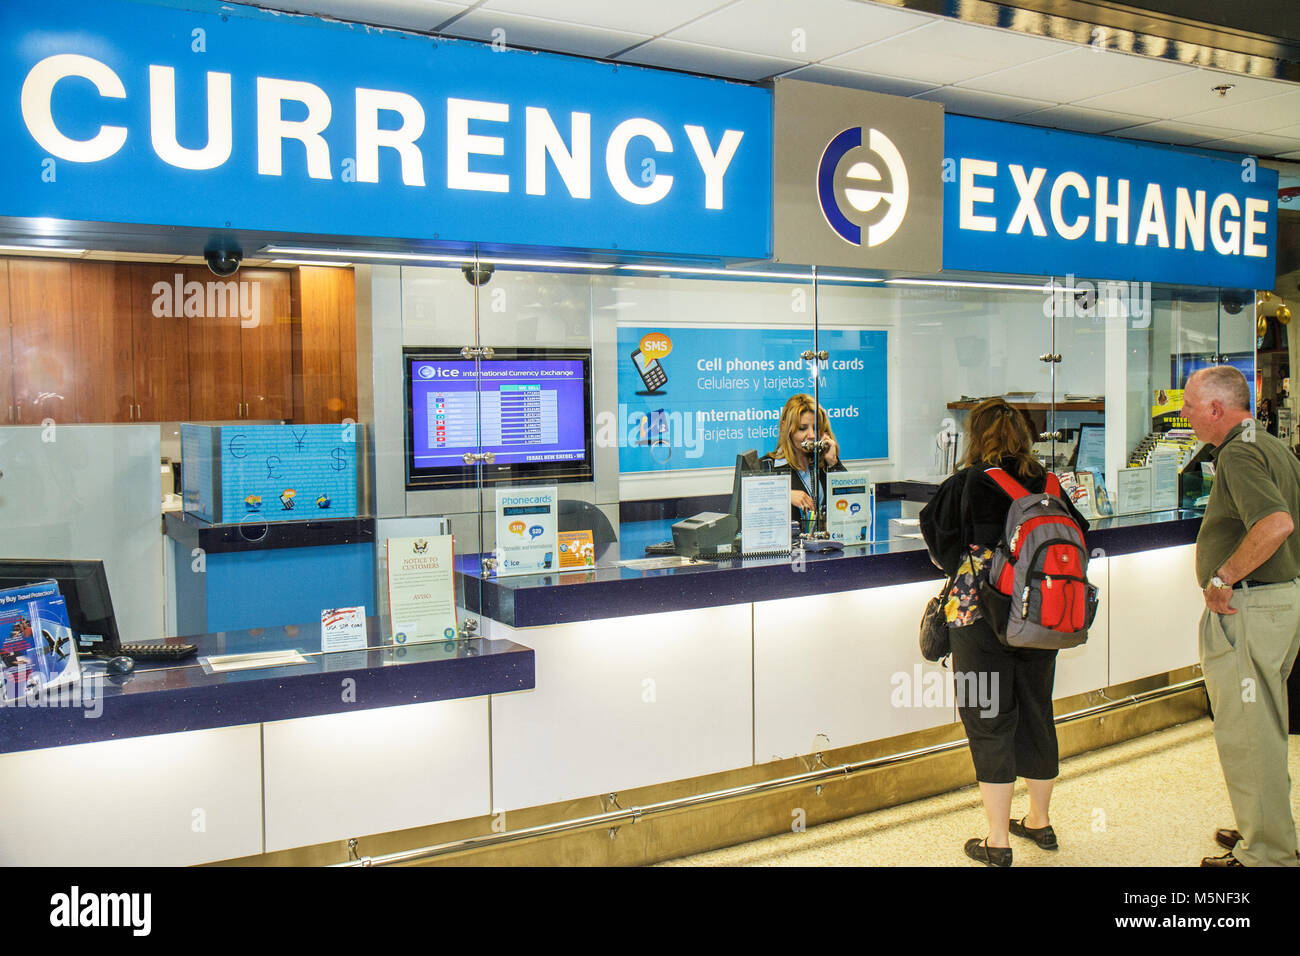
514,30
421,15
694,57
987,105
1286,131
1082,121
1076,74
1179,134
651,19
809,31
1185,93
1295,155
1259,116
856,80
1255,144
947,52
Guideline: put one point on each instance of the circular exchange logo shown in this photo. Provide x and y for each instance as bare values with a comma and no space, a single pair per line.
862,186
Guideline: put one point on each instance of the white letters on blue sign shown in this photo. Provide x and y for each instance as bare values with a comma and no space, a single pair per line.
543,140
39,86
1232,232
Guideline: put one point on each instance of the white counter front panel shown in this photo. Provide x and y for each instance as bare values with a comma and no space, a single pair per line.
371,771
625,702
170,800
846,666
1155,608
1084,668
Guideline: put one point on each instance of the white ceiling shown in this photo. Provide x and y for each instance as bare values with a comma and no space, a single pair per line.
971,69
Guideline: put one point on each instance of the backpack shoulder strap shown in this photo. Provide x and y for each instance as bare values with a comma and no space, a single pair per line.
1008,484
1053,484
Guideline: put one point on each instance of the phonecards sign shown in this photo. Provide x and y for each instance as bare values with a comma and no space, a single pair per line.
1044,202
856,178
233,117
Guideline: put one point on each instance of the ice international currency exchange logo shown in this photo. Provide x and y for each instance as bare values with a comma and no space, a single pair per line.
862,186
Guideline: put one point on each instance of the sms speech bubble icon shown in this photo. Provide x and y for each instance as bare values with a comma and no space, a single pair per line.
517,527
656,345
841,505
855,509
536,530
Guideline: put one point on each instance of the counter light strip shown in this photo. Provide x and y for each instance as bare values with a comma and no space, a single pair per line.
634,814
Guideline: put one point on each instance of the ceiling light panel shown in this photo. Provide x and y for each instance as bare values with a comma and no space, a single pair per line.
1076,74
516,30
695,58
948,52
1186,93
808,31
651,19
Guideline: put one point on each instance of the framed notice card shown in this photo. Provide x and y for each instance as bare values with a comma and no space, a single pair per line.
421,593
527,530
765,510
1133,490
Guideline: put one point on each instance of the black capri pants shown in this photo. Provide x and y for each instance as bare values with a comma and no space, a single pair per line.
1004,696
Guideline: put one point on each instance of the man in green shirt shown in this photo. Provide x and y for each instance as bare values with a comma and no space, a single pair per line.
1247,561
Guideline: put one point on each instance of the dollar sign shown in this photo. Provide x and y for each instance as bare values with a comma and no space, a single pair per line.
338,460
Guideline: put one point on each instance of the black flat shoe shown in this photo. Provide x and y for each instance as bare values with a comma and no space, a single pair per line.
980,851
1227,838
1045,837
1226,860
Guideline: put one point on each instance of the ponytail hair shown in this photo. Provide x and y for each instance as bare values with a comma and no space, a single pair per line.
996,431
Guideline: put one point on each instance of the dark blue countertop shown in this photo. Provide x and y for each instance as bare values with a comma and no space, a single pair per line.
611,590
173,697
260,535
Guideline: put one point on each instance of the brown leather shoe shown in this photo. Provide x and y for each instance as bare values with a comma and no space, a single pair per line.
1226,860
1227,838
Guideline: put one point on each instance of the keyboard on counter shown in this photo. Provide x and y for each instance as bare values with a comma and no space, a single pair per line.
156,652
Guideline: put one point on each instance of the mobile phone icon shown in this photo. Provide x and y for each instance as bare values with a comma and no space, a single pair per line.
651,372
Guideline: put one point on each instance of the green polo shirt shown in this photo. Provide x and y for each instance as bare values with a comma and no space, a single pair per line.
1254,476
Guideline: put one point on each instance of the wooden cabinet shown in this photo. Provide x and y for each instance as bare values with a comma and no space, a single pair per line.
6,351
101,341
161,346
41,337
126,342
325,345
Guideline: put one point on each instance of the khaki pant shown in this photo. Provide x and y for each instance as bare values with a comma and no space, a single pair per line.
1246,658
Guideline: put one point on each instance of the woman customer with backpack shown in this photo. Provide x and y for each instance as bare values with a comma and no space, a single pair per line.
1010,723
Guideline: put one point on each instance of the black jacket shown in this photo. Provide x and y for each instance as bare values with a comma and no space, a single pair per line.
949,529
796,483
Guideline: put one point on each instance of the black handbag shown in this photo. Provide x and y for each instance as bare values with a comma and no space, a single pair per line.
935,643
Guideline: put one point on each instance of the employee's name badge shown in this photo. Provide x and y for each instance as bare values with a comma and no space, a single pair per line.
343,629
850,512
527,530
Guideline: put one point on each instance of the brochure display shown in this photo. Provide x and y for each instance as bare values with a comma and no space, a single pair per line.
850,513
527,533
421,593
37,649
765,507
577,550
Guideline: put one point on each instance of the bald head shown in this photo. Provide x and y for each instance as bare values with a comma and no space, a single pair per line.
1223,384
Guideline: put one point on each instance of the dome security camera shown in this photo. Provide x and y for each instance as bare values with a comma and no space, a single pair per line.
479,274
223,262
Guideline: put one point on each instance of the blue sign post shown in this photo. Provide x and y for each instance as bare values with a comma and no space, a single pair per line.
215,115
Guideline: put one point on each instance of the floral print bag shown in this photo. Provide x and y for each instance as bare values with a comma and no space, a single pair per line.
963,605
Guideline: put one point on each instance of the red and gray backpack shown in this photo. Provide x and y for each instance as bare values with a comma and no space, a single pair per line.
1040,568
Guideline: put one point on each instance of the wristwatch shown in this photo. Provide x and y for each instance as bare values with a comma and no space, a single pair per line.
1218,582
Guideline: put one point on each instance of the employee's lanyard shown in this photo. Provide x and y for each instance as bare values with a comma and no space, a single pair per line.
805,477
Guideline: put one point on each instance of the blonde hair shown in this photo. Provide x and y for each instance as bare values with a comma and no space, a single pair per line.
994,431
795,409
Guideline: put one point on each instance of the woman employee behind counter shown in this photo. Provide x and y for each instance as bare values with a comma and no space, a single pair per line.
802,420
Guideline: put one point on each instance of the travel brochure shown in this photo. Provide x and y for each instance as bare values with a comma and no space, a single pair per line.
37,648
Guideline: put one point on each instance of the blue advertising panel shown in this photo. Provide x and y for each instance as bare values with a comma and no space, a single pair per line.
288,472
1031,201
216,115
697,397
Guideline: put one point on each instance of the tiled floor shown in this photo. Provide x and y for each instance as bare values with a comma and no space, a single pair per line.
1153,801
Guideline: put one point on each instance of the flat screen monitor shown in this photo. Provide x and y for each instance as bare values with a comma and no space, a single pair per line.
84,586
530,408
1091,452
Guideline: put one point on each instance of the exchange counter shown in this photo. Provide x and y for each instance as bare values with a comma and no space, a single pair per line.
579,684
